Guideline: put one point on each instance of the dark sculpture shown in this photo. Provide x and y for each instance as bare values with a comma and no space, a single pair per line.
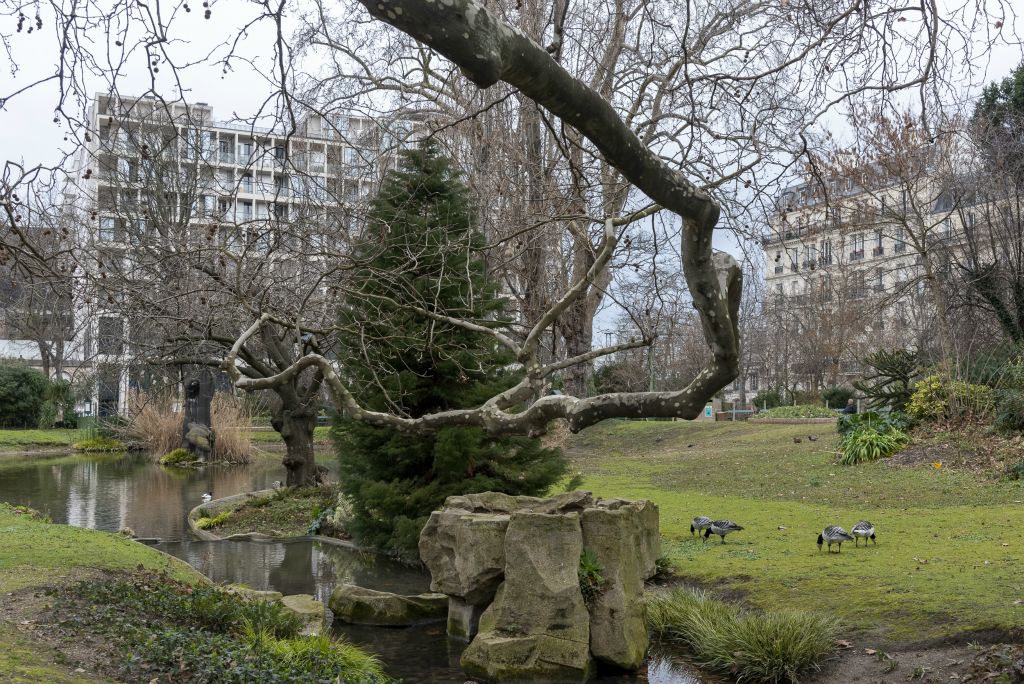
197,435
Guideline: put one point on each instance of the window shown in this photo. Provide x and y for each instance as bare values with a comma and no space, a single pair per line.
878,250
881,206
858,247
246,211
947,228
900,245
879,280
245,151
904,199
109,335
826,252
247,183
794,259
970,219
108,229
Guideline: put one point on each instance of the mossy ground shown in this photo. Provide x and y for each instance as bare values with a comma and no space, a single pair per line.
950,543
287,514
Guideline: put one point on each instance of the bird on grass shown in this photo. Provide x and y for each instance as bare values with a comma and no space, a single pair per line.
699,524
721,528
207,497
863,530
276,484
833,534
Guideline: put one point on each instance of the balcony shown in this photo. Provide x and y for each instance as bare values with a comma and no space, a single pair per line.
825,260
779,269
857,255
227,157
900,248
878,251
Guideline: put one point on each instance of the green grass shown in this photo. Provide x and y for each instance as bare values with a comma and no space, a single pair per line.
18,440
287,512
949,543
99,443
36,553
23,660
774,647
321,433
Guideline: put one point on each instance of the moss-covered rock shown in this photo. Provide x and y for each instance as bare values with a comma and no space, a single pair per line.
360,606
308,609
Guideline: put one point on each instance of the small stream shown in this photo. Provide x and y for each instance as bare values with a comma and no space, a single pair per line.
114,492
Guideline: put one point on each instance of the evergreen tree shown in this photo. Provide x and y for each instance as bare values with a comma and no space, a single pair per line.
421,249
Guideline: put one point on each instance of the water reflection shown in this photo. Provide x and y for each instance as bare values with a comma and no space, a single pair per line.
113,492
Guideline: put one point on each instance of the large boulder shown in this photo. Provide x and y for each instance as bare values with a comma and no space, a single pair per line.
537,629
308,609
361,606
618,632
496,502
465,553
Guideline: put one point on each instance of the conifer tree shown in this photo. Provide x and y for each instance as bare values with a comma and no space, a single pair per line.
421,249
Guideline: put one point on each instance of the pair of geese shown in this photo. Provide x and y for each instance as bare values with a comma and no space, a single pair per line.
833,534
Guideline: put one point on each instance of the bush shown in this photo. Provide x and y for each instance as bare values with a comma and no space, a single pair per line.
205,522
937,397
770,647
22,392
798,411
178,457
836,397
847,423
1010,410
770,398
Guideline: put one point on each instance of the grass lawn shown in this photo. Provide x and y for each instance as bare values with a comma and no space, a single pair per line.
321,433
20,440
950,544
38,554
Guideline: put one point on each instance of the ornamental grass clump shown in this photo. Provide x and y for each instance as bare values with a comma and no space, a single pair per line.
770,647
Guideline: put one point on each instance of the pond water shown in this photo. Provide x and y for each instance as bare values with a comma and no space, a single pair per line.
113,492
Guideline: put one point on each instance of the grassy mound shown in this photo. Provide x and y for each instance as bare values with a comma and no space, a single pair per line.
285,513
772,647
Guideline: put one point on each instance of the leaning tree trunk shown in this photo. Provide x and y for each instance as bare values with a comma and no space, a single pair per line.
296,427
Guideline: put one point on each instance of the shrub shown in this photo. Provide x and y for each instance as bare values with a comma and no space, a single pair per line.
22,392
866,443
769,647
1014,471
99,443
937,397
798,411
591,576
177,457
1010,410
847,423
205,523
836,397
770,397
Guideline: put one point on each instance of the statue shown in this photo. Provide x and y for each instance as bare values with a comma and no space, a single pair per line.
197,435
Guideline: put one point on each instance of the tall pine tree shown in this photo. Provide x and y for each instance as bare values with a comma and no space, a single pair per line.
421,248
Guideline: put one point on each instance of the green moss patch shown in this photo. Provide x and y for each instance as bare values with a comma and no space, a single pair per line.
206,522
179,458
949,546
99,443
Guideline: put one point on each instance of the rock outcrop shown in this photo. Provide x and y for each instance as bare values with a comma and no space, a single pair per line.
509,566
360,606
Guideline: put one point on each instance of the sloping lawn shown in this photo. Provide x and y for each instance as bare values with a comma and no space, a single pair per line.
950,545
20,440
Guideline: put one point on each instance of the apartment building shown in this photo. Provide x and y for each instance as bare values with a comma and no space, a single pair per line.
852,263
240,187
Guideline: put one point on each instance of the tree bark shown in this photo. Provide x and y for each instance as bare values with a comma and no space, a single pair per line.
296,426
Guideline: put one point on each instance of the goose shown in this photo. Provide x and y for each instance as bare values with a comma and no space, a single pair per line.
721,528
863,529
207,497
276,484
833,534
699,524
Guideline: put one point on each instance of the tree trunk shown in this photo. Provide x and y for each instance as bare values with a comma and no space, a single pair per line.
296,428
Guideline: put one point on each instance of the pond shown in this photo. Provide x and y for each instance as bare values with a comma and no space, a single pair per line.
113,492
